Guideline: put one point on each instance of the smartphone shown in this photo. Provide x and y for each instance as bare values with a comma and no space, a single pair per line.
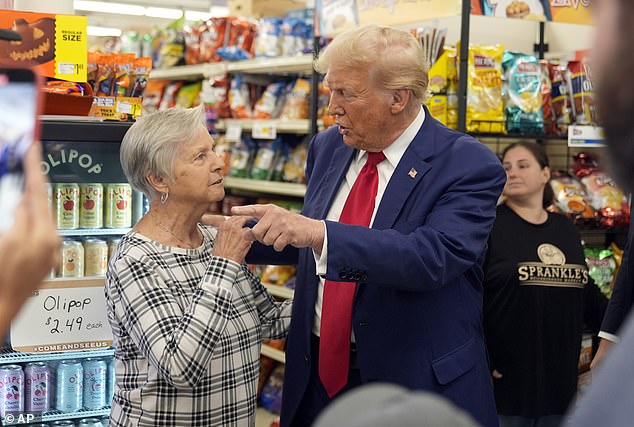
19,127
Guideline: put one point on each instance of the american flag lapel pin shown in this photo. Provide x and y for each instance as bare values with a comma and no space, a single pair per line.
412,173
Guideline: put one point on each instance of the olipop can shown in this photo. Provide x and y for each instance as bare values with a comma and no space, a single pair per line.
70,386
91,206
71,263
111,380
118,206
67,206
38,383
11,389
95,257
89,422
95,384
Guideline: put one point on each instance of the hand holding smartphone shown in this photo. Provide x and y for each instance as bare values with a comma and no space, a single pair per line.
19,104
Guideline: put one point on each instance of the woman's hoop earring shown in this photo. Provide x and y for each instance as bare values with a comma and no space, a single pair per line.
164,197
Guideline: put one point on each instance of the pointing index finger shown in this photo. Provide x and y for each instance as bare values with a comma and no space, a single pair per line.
254,211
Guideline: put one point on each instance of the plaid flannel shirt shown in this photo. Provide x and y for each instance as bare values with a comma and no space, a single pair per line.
187,329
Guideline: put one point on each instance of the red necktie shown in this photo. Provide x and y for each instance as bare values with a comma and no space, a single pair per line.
336,312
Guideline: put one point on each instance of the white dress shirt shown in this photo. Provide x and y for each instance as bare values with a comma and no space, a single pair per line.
393,154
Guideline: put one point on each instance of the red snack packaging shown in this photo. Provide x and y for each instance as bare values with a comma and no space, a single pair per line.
123,74
571,198
212,37
192,44
582,93
547,105
605,197
560,98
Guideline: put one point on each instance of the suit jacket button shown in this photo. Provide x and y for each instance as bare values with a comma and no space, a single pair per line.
343,275
306,358
364,277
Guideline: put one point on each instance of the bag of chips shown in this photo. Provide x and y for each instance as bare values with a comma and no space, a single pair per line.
189,95
601,268
169,95
265,159
277,274
140,75
571,198
523,94
560,98
267,43
239,100
485,107
605,197
241,154
269,104
582,93
294,169
153,95
547,106
212,36
297,104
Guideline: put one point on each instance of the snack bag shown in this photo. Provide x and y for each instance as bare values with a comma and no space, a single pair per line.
91,69
437,105
265,159
298,101
123,80
192,44
523,95
571,198
582,93
188,95
485,107
267,43
294,169
172,51
602,268
282,158
223,150
212,36
268,105
271,396
169,95
153,95
560,98
105,75
239,100
140,75
240,42
277,274
547,106
438,74
241,158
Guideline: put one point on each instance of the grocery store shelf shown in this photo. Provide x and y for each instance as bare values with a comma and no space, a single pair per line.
286,65
266,187
73,281
281,125
264,418
273,353
291,65
94,232
8,356
511,136
280,291
58,415
187,72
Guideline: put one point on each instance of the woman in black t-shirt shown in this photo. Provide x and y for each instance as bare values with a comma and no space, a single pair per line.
537,296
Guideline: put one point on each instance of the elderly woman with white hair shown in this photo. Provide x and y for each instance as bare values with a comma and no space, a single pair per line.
187,316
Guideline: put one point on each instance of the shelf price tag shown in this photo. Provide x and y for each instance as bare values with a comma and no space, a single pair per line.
585,136
63,316
233,133
264,130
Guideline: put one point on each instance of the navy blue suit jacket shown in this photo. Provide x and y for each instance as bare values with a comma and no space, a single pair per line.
417,314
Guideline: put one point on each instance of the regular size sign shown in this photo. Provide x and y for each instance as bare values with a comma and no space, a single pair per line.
68,315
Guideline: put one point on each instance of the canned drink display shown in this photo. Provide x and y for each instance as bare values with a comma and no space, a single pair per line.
112,246
90,422
111,380
91,206
11,389
95,383
67,206
62,423
37,378
71,261
105,421
95,257
118,206
39,425
70,386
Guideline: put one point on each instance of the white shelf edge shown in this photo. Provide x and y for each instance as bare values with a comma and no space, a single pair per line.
93,232
273,353
279,291
188,71
290,65
266,187
297,126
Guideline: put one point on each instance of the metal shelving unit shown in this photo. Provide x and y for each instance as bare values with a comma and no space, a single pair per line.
267,187
58,415
280,291
281,125
94,232
8,356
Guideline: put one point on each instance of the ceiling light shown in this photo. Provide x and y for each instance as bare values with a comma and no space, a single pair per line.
193,15
103,31
162,12
99,6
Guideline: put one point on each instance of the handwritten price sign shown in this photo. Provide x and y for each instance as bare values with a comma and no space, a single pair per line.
66,315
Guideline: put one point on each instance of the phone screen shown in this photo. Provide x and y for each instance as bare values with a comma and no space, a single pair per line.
18,128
